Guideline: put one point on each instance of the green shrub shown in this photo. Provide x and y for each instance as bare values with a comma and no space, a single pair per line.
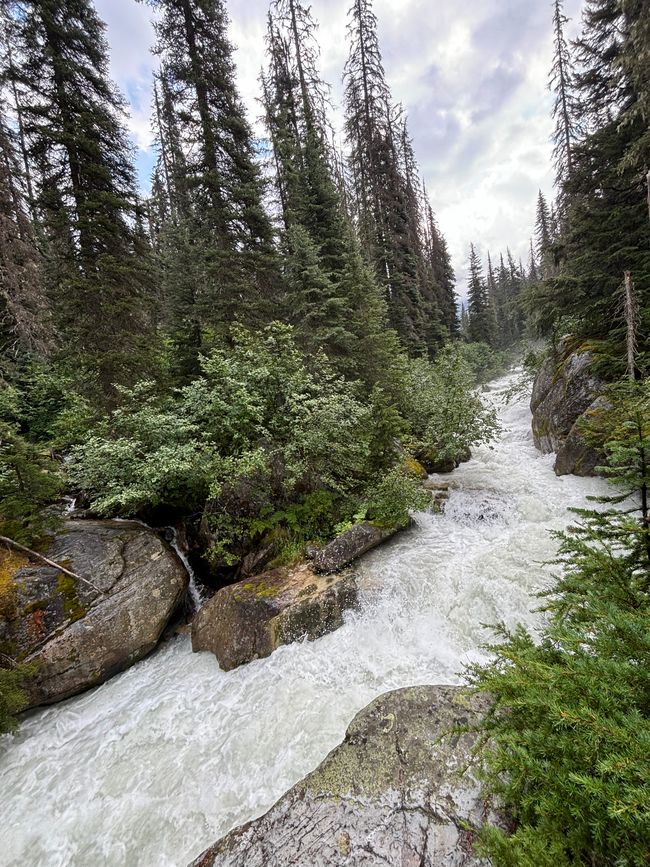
29,482
447,415
397,493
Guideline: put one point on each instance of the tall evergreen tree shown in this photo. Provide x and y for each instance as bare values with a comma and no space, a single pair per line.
543,235
210,151
605,198
24,314
442,271
561,82
332,299
97,269
481,317
384,187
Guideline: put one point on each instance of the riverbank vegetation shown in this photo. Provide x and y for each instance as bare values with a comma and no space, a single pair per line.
254,345
566,742
259,348
569,731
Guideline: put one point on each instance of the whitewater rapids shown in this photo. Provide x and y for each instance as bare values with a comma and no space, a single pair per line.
156,764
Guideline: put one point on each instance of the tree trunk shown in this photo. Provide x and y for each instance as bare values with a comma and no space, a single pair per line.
631,310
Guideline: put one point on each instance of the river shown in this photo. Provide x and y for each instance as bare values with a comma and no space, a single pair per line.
159,762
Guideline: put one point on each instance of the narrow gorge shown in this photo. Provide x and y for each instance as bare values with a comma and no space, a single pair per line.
160,761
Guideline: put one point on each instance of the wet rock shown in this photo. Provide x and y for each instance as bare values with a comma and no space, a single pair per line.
439,493
435,464
574,456
394,792
76,638
564,390
252,618
350,545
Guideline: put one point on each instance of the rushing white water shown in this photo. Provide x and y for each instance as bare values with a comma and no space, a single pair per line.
196,595
156,764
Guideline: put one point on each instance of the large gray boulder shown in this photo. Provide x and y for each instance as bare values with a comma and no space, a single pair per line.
351,545
252,618
395,792
574,456
564,390
76,638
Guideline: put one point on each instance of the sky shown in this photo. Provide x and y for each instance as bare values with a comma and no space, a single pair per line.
471,74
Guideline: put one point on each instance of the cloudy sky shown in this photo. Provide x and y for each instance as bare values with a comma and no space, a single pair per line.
472,75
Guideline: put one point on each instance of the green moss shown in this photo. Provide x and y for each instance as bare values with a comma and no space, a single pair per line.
73,607
259,589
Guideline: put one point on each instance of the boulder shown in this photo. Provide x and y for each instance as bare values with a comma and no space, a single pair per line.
434,464
564,390
250,619
350,545
574,456
395,792
76,638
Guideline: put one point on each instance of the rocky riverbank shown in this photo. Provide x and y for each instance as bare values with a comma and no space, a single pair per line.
566,392
397,791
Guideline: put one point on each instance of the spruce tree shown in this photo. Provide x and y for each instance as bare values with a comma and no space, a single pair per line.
387,209
24,314
333,300
481,319
210,154
564,109
442,271
97,271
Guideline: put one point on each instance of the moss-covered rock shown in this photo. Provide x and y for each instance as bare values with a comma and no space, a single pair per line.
396,791
252,618
76,638
564,390
414,468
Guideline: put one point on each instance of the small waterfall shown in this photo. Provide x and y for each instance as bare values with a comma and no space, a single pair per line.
70,505
194,590
171,536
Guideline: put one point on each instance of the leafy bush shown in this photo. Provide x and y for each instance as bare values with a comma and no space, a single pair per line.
391,500
255,437
447,415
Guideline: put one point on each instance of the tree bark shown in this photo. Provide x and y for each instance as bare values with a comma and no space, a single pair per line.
630,321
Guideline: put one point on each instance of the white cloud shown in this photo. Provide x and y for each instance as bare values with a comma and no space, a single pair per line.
471,76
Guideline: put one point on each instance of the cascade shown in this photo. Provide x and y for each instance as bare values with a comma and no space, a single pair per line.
157,763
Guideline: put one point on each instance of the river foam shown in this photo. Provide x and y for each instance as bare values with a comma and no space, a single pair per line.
156,764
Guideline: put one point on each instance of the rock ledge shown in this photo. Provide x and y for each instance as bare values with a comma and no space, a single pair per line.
392,793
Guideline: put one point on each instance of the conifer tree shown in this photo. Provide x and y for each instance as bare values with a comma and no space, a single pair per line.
442,272
98,273
333,300
200,107
24,314
481,321
543,235
561,82
387,204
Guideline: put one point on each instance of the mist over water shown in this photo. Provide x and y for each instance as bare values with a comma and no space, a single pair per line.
159,762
